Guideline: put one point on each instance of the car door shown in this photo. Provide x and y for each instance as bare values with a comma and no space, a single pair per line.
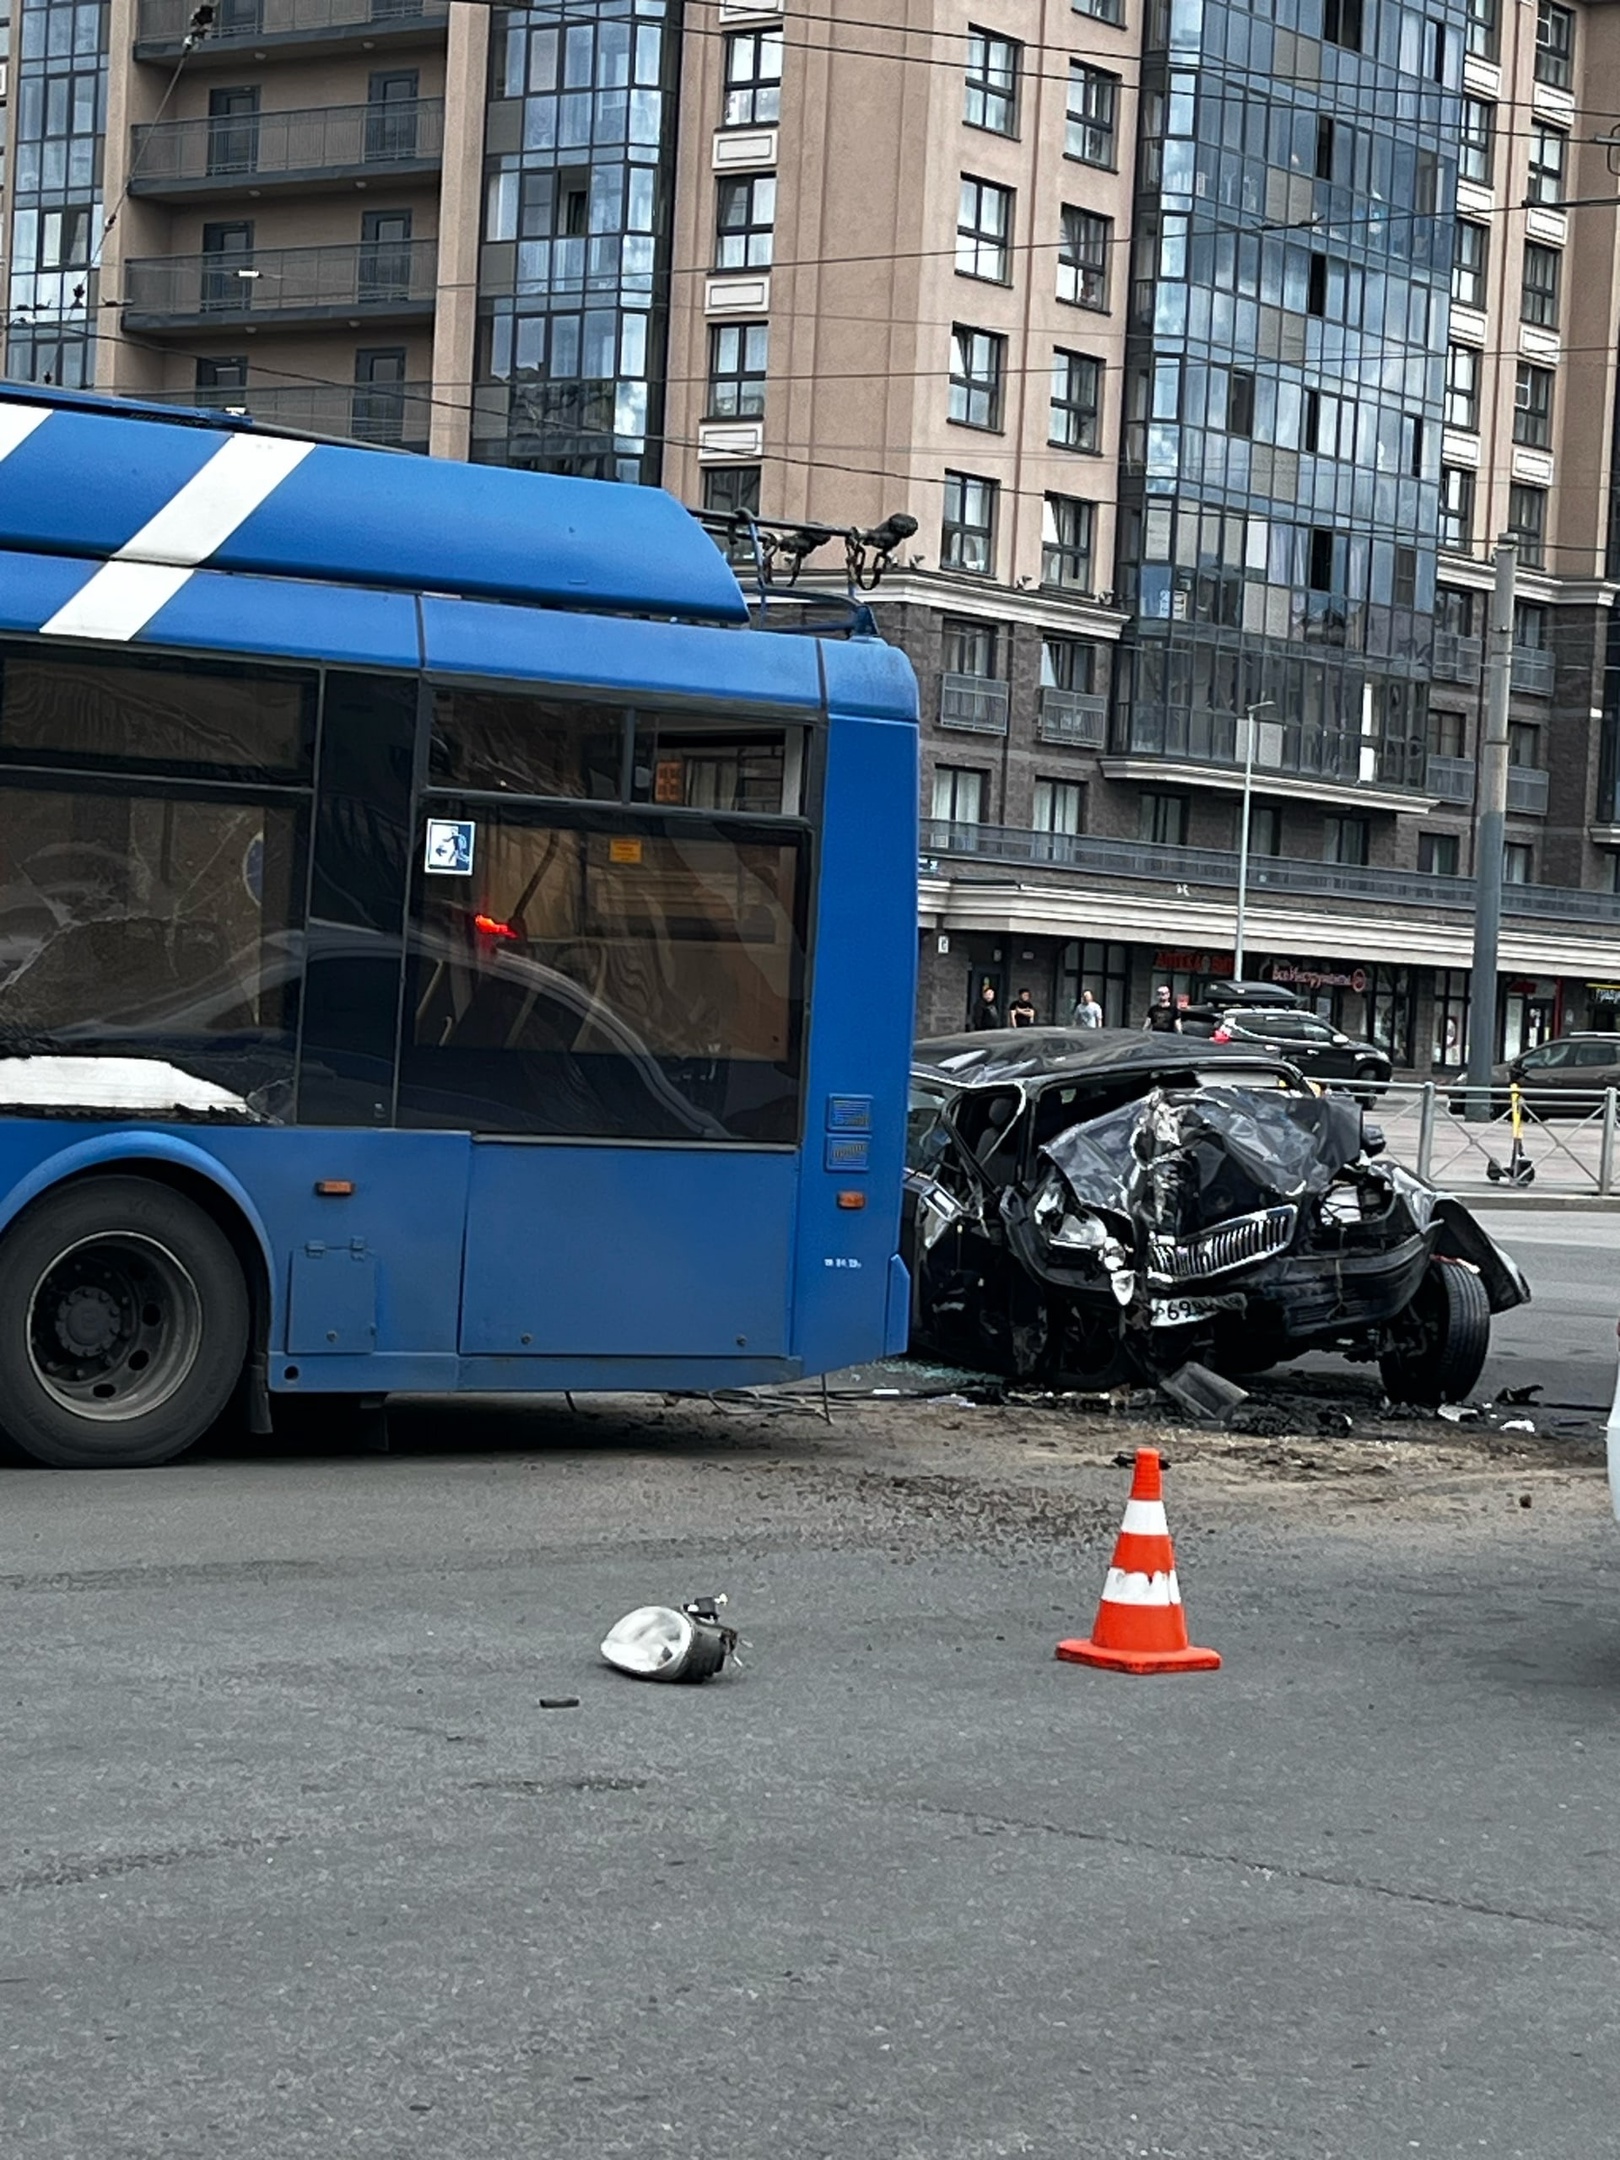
1332,1055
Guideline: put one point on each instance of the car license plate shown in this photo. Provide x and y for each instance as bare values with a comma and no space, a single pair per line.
1177,1311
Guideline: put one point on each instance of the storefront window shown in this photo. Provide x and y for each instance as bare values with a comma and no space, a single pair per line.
1391,1012
1103,968
1449,1045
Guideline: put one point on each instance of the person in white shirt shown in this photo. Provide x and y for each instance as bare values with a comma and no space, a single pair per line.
1088,1013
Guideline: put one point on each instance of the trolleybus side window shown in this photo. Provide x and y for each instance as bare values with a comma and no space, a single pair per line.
143,908
614,974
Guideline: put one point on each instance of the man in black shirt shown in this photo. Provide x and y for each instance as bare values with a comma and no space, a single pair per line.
1162,1016
987,1013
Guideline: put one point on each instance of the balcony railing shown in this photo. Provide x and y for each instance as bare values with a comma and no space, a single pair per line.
1073,716
1119,860
375,278
1527,789
1452,779
1456,658
973,702
230,151
1533,670
164,24
393,414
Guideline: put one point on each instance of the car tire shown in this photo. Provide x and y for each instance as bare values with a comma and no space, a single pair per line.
1442,1339
123,1325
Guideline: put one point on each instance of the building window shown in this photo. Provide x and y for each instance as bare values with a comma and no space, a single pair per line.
1448,733
1538,298
1555,45
1083,246
1076,420
1456,507
1454,610
744,222
753,78
1518,863
968,534
1524,744
1437,854
1346,840
984,231
1462,388
1068,664
1093,113
732,491
1471,255
991,96
737,354
1162,818
1239,416
223,374
1478,141
1549,150
1341,23
1066,535
969,648
1316,286
1530,626
1483,40
1265,829
1327,424
1060,806
1108,11
1527,521
959,794
978,368
1532,407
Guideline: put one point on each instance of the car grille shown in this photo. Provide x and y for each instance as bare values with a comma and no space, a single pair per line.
1231,1244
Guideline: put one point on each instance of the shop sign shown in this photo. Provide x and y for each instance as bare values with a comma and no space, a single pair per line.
1193,963
1320,975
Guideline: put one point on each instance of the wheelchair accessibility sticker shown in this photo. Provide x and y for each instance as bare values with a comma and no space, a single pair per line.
449,847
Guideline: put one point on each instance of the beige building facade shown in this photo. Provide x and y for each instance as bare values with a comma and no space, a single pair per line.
1209,350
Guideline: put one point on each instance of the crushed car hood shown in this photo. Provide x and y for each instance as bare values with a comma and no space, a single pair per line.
1179,1161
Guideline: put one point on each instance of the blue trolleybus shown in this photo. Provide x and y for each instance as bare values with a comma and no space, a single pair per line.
443,946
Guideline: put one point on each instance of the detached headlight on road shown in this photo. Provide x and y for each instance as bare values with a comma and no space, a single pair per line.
655,1642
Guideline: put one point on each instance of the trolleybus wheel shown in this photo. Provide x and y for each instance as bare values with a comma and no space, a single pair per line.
123,1325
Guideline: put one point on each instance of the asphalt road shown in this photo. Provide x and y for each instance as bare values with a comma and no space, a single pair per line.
1566,1336
292,1862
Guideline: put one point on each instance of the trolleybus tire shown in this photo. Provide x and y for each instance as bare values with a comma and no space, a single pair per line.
123,1325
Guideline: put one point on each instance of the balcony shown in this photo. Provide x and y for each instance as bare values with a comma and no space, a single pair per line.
1121,861
1452,779
374,281
395,416
1527,790
1533,670
316,150
1074,717
1457,658
277,29
974,703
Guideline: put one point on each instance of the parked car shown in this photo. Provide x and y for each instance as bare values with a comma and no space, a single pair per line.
1320,1050
1087,1209
1566,1077
1264,994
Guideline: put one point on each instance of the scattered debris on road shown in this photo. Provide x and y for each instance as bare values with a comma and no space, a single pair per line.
657,1642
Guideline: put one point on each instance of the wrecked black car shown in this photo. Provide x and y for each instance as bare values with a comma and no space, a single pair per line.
1094,1209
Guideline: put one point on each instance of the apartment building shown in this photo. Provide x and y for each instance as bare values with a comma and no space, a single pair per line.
1211,348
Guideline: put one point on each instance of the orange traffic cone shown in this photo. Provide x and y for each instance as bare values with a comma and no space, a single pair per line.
1140,1626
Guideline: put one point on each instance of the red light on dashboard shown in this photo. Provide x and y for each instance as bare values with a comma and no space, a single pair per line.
489,927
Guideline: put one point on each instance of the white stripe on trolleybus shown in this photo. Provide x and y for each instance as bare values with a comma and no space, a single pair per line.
149,569
17,423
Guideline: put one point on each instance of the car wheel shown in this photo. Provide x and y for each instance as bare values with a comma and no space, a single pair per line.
1093,1356
123,1325
1440,1343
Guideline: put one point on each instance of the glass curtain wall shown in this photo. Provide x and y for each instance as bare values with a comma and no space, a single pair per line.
58,119
1285,381
573,294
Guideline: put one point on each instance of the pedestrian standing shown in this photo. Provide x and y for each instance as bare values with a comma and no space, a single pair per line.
1162,1017
1022,1012
1088,1013
987,1013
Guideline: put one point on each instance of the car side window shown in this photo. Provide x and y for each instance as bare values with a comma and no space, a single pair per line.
1316,1031
1596,1053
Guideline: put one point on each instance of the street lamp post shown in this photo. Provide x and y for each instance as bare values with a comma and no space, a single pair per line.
1265,705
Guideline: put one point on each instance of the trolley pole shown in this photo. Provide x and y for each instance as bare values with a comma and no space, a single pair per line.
1244,823
1490,827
